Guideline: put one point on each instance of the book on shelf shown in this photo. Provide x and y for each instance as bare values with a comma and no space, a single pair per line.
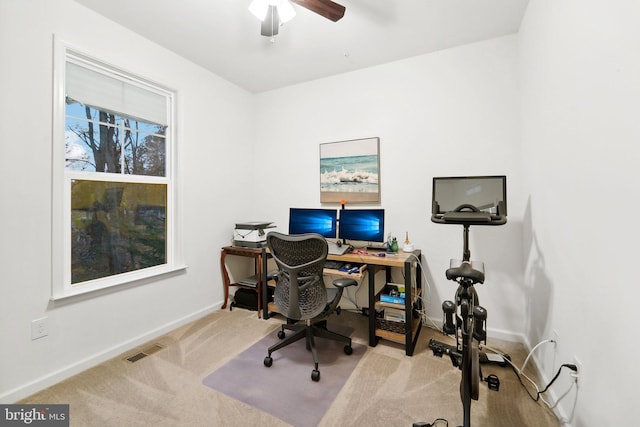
394,315
391,299
380,305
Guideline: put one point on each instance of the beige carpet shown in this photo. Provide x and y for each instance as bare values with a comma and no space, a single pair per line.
387,388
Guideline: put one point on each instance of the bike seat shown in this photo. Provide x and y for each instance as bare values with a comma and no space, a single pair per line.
465,271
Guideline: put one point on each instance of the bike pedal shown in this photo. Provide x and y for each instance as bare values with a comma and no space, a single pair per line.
437,348
456,360
493,382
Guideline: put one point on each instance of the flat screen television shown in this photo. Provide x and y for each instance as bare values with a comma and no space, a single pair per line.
362,224
469,199
321,221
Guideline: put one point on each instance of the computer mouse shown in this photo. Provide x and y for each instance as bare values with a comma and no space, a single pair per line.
339,244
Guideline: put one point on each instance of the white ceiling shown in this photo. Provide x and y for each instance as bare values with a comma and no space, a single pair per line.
222,36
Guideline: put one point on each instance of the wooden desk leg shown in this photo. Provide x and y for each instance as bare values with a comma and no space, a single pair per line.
259,272
225,276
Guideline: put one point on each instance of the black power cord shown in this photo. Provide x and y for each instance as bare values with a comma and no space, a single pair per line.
571,366
536,398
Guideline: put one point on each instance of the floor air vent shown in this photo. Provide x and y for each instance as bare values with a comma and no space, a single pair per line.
144,353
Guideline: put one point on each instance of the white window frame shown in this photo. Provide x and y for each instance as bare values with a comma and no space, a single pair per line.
61,286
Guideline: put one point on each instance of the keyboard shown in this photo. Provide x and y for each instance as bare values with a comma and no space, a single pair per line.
333,265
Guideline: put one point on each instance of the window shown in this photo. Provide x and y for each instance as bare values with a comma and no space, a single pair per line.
113,180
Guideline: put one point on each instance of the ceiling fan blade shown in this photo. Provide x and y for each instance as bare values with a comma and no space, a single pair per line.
326,8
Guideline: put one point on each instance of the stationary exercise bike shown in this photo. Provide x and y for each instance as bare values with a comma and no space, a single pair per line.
465,317
468,317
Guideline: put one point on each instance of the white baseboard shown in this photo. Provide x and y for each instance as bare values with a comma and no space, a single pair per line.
55,377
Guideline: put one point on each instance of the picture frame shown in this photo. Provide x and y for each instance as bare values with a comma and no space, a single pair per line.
350,171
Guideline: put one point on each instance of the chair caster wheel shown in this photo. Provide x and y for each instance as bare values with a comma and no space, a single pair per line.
281,335
315,375
348,350
268,361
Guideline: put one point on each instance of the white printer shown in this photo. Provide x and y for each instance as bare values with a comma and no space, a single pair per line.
251,234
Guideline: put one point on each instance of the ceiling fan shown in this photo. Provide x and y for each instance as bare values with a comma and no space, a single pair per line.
274,13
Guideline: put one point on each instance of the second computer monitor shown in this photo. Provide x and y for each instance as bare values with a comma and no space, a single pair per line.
365,225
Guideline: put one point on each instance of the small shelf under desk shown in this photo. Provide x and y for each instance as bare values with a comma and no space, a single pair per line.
412,269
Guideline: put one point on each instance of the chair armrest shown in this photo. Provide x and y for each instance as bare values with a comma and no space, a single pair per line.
343,282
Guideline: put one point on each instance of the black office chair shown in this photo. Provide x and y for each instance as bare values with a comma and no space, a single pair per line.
300,293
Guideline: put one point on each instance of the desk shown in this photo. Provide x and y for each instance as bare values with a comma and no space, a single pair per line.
260,256
374,263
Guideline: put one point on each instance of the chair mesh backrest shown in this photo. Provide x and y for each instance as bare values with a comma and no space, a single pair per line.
300,293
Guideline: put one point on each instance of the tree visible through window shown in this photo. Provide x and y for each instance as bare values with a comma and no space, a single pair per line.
95,139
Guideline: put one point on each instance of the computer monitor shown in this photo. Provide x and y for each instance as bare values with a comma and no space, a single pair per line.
469,199
321,221
365,225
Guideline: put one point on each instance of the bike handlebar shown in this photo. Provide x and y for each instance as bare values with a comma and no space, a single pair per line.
467,214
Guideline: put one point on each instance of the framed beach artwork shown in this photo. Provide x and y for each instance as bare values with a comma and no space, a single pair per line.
350,171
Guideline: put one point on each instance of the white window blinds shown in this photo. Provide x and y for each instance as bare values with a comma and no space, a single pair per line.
103,92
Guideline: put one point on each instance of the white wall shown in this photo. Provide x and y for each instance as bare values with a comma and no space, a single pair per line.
552,108
212,119
451,113
580,79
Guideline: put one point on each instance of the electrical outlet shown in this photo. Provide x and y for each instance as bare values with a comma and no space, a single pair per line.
39,328
579,376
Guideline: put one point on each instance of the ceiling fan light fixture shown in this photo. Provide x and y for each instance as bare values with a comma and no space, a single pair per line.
286,11
271,24
260,9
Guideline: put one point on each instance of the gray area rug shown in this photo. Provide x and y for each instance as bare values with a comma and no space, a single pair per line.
285,390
